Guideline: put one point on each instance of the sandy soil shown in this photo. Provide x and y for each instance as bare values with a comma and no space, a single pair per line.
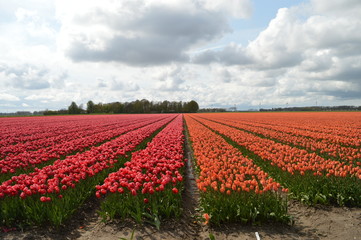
310,223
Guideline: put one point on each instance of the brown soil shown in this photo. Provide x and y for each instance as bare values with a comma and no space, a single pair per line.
310,223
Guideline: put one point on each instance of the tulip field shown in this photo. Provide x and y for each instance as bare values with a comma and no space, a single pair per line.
315,156
151,182
232,187
52,193
247,165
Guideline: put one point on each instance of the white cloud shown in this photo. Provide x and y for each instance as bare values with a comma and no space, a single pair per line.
276,46
235,8
32,77
142,34
172,79
8,97
55,52
39,97
232,54
306,52
101,83
24,15
337,8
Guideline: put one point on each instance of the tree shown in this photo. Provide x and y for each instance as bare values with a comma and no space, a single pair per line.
137,107
146,105
117,107
90,107
164,106
193,106
73,108
98,108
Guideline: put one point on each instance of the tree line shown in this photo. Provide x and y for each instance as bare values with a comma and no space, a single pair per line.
313,108
138,106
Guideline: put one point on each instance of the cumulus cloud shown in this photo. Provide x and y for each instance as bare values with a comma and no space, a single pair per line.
306,50
27,77
225,76
275,47
32,77
8,97
289,40
336,7
278,45
128,86
149,34
172,79
24,15
234,8
232,54
55,53
101,83
39,97
34,28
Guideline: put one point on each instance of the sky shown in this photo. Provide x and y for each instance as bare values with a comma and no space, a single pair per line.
249,54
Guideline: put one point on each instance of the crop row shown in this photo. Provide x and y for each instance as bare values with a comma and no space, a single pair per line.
53,136
149,185
308,175
22,130
54,192
336,151
232,187
33,158
134,164
334,124
295,126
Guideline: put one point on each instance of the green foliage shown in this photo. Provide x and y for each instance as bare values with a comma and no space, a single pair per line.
191,107
31,211
211,236
153,219
163,204
310,189
138,106
90,107
244,207
74,109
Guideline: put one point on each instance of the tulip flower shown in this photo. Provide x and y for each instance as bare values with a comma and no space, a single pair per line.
153,175
231,185
66,183
306,156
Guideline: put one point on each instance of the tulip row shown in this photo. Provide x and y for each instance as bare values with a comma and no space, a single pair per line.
309,176
149,185
330,150
55,136
232,187
26,130
19,130
333,123
337,128
286,157
53,193
30,159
